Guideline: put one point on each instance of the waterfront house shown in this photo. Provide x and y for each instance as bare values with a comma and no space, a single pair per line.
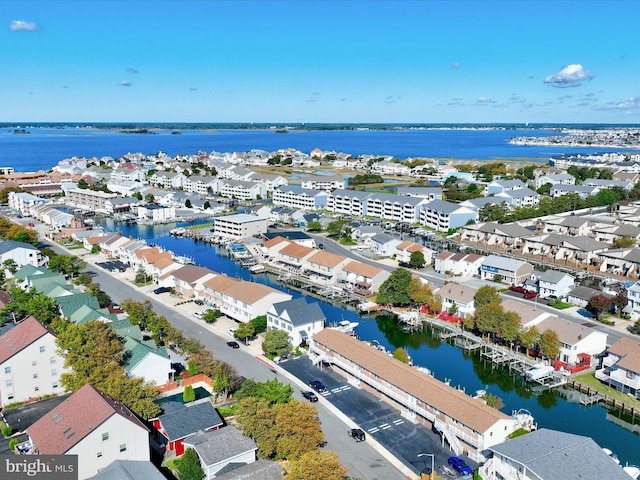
468,424
348,202
510,270
573,226
555,283
188,280
362,278
121,205
21,254
405,248
222,449
324,267
240,300
239,226
530,315
179,421
94,426
457,299
550,455
152,213
30,365
399,208
384,245
200,184
576,339
299,318
292,257
620,366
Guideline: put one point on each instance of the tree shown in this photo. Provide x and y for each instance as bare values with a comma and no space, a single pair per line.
211,315
272,391
245,330
401,354
187,203
493,401
599,304
394,290
206,205
486,295
260,323
489,317
149,198
82,184
509,327
314,226
222,374
10,265
619,302
549,344
421,294
141,276
188,395
335,227
276,342
189,466
529,337
624,242
298,429
316,464
417,260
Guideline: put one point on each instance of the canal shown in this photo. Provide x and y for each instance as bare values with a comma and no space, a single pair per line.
557,409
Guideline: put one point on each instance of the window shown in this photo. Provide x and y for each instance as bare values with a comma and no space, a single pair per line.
123,447
99,454
37,389
34,363
42,349
105,436
54,372
55,385
52,360
7,370
9,383
35,375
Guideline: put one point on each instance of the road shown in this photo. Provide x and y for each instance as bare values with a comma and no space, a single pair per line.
364,462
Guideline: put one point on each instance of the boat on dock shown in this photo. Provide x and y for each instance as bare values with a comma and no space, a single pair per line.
183,259
539,372
257,268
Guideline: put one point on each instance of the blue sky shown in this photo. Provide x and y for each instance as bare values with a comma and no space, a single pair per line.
448,61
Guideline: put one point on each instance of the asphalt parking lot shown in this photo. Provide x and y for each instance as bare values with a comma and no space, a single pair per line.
397,434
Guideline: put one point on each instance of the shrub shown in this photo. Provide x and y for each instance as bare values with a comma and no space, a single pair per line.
12,443
7,430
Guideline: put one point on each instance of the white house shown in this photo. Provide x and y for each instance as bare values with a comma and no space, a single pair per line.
301,320
156,213
239,226
189,280
575,339
144,361
30,365
620,366
512,271
240,300
555,283
460,264
94,426
24,202
220,448
21,253
384,244
457,299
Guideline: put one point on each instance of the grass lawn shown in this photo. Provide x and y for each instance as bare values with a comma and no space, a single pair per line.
172,464
590,380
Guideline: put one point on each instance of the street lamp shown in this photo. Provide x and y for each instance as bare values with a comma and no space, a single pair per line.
432,463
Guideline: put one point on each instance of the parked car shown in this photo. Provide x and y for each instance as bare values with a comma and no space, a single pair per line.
31,224
312,397
198,302
404,265
357,434
68,244
460,466
198,314
515,288
318,386
161,290
233,344
530,295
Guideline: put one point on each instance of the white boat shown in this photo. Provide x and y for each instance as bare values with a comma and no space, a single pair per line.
257,268
346,326
184,260
633,471
538,372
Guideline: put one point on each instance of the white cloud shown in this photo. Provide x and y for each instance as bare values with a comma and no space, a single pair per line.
125,83
485,100
569,76
632,103
455,64
22,26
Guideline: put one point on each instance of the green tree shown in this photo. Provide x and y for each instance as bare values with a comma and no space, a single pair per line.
222,374
189,466
10,265
298,429
417,260
245,330
141,277
187,203
509,327
549,344
619,302
335,227
260,323
486,295
276,342
314,226
529,337
624,242
211,315
316,464
272,391
401,354
82,184
489,317
188,395
149,198
394,290
206,205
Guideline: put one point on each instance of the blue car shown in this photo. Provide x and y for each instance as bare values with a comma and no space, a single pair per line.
460,466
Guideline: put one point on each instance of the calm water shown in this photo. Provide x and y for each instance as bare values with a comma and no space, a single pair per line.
45,147
446,362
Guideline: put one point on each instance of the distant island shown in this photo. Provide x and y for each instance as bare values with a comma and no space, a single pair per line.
21,131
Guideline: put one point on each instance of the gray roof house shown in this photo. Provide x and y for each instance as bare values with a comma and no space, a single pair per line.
551,455
258,470
220,449
441,215
512,271
301,320
383,244
553,282
128,469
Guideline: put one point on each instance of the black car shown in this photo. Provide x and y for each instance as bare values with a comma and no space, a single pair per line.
162,290
318,386
312,397
357,434
233,344
404,265
199,302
